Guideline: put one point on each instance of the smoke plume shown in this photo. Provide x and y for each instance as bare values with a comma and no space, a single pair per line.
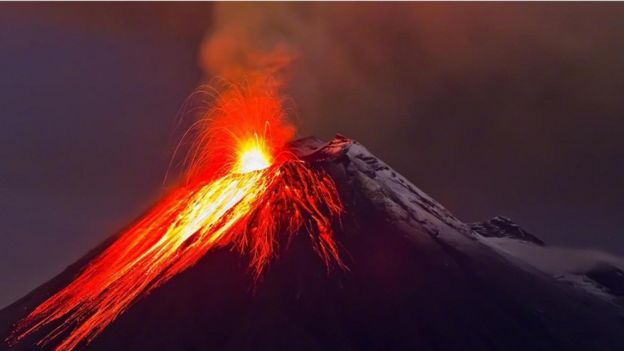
464,99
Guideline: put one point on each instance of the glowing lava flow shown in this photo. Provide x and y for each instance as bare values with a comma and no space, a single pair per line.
264,193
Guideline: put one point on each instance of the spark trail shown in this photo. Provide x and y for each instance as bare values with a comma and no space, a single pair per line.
243,190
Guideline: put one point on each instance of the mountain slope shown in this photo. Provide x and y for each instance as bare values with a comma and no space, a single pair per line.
593,271
418,278
503,227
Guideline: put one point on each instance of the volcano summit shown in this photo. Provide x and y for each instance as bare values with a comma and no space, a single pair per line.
407,274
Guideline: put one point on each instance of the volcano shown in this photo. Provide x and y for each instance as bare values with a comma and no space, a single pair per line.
411,276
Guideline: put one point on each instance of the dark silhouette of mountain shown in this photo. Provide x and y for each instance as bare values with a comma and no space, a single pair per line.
418,279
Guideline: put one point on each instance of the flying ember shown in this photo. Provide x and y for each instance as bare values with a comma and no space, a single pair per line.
243,189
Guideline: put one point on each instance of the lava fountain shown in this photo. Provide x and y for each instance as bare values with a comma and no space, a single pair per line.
242,190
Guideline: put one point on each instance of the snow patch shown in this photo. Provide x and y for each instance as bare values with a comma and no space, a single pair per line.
569,265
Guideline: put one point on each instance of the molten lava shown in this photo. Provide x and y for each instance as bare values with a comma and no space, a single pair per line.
243,189
252,156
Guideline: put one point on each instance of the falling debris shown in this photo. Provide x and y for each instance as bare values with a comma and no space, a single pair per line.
243,189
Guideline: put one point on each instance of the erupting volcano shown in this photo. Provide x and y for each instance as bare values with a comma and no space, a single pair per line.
243,189
254,201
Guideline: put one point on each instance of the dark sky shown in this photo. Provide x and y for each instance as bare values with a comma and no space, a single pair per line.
493,109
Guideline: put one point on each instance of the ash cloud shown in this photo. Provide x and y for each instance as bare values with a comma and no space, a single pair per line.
239,48
494,109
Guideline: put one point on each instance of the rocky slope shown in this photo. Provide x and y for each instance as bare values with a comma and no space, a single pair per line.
418,278
602,275
503,227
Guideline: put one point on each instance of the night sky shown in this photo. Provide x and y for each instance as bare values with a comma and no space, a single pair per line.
492,109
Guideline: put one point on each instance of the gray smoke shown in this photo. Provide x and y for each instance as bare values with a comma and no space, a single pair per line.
494,109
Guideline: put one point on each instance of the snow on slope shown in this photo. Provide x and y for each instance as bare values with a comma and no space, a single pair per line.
410,207
403,201
418,278
593,271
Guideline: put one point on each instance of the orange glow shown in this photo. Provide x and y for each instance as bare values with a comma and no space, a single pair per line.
252,156
243,191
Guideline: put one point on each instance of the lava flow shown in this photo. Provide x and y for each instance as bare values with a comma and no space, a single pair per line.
243,189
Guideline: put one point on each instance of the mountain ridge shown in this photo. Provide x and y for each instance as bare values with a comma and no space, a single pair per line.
418,277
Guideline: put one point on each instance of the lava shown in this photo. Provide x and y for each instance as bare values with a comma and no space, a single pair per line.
242,190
